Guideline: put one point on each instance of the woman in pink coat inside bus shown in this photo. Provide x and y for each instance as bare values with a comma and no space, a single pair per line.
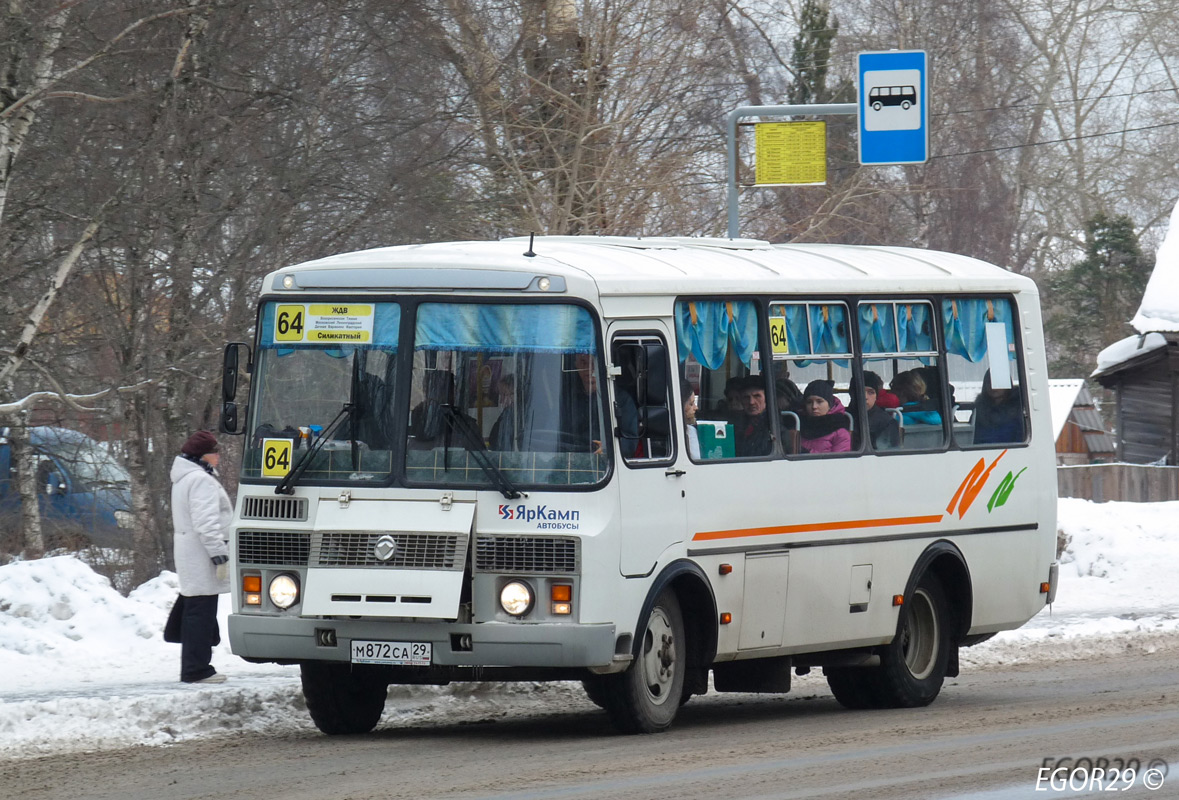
824,421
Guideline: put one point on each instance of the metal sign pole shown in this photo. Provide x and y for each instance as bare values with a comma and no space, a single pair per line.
815,110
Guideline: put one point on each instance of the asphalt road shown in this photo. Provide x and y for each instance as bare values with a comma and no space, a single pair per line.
987,736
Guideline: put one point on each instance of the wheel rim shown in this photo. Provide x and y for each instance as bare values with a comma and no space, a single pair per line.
659,657
921,635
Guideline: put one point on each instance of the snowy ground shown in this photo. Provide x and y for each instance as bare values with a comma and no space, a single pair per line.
84,668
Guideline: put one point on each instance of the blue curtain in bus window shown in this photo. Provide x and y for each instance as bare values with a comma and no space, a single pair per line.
965,325
914,327
386,329
829,327
474,327
878,334
705,328
798,336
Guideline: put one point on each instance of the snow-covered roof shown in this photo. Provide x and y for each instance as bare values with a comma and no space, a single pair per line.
1159,310
1118,353
1062,394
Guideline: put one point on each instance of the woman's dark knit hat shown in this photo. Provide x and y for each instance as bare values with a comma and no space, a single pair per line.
199,444
820,388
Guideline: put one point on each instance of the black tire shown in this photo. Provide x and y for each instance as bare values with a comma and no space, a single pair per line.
913,667
342,699
854,688
646,697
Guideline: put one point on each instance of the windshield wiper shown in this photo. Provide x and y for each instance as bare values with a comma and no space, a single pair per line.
287,484
474,444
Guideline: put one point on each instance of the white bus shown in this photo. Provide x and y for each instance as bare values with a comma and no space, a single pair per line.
471,462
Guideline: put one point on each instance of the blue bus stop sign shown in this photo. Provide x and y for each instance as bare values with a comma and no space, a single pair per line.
893,107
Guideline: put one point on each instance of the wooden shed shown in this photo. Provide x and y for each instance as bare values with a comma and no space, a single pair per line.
1143,372
1081,437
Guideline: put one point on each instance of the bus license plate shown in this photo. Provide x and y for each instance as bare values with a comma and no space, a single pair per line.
401,654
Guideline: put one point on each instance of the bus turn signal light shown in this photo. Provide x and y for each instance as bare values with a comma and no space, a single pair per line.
725,569
726,618
562,593
898,599
1045,587
251,583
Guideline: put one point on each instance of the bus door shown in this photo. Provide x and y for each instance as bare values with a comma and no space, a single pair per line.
650,491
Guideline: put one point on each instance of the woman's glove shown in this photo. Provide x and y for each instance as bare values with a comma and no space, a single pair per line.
222,563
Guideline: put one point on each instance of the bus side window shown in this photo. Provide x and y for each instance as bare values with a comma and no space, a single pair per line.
984,372
717,341
905,402
642,400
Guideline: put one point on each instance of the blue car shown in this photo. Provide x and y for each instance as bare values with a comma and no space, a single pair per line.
84,494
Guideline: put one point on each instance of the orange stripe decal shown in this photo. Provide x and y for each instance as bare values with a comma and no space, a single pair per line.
817,527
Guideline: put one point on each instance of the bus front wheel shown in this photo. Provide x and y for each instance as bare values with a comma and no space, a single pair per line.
341,699
645,698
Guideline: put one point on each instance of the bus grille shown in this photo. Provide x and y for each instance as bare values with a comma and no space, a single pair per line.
540,554
289,509
410,550
274,548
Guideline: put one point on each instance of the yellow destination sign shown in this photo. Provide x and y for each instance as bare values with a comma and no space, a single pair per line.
324,323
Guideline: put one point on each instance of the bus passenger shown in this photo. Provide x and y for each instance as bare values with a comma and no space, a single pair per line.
909,388
882,426
786,394
998,415
583,420
824,420
734,406
503,432
752,427
691,435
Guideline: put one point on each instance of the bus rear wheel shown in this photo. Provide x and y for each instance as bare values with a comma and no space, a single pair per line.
341,699
646,697
913,667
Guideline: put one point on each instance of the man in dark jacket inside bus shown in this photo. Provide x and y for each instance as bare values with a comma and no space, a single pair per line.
751,428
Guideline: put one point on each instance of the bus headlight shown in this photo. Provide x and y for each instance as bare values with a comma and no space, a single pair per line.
284,591
516,598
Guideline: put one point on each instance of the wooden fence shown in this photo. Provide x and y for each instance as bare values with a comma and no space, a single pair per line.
1135,483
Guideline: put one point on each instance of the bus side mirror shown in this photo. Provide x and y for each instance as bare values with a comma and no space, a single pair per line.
230,367
230,423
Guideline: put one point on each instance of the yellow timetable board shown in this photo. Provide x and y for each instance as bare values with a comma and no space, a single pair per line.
324,323
791,153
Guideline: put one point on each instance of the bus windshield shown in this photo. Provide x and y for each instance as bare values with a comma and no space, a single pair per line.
522,383
312,360
498,392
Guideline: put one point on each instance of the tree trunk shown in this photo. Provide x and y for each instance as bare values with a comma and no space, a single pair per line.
24,458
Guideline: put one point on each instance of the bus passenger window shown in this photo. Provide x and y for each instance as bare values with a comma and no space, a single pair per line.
811,348
717,341
904,404
984,370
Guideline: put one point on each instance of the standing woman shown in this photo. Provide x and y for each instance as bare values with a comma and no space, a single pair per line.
201,513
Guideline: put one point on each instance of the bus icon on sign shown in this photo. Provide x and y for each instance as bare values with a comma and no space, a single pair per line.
903,96
891,100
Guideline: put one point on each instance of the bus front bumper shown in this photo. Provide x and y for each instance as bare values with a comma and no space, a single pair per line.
490,644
